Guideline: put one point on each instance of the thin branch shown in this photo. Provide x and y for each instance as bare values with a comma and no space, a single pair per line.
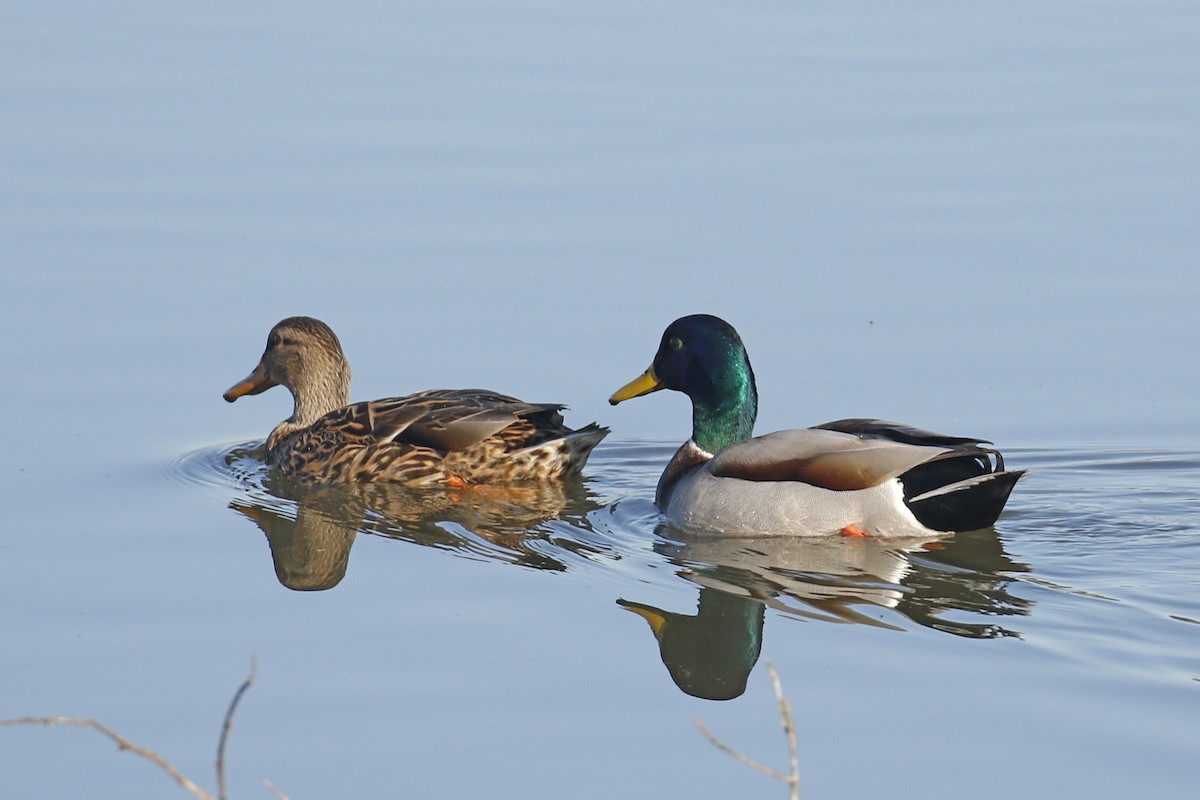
275,790
789,728
750,762
122,743
155,758
233,704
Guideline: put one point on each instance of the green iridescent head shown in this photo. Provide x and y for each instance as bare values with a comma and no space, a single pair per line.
703,357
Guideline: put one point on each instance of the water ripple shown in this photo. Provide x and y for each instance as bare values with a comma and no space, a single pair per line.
1140,506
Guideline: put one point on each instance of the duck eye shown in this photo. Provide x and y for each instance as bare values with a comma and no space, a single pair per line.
674,343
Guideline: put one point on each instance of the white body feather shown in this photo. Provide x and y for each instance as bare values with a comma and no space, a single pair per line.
702,501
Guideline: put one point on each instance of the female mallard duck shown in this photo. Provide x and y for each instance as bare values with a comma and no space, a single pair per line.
860,476
439,437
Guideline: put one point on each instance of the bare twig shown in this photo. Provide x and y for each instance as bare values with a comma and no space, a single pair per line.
155,758
233,704
122,743
275,790
750,762
789,728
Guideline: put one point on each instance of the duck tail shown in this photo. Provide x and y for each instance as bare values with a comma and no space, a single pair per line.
586,438
569,452
965,505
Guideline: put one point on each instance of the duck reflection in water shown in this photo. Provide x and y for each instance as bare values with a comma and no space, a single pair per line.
310,530
711,654
310,550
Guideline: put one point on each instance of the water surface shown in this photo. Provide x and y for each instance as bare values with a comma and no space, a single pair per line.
973,219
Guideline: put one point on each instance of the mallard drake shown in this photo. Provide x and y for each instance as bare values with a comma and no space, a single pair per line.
858,476
449,437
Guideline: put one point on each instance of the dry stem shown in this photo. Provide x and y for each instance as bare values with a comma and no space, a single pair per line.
122,743
789,728
233,704
155,758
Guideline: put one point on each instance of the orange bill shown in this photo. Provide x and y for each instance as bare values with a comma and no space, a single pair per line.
257,381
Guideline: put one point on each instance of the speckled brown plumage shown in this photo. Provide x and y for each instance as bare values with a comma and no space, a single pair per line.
437,437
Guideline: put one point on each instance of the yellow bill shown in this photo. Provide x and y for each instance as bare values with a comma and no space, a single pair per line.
655,617
645,383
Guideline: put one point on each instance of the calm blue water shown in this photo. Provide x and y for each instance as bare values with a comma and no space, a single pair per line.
978,220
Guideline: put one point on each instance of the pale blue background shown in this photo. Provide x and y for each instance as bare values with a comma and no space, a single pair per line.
972,217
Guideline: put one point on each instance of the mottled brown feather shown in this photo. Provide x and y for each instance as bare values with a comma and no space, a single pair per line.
427,438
